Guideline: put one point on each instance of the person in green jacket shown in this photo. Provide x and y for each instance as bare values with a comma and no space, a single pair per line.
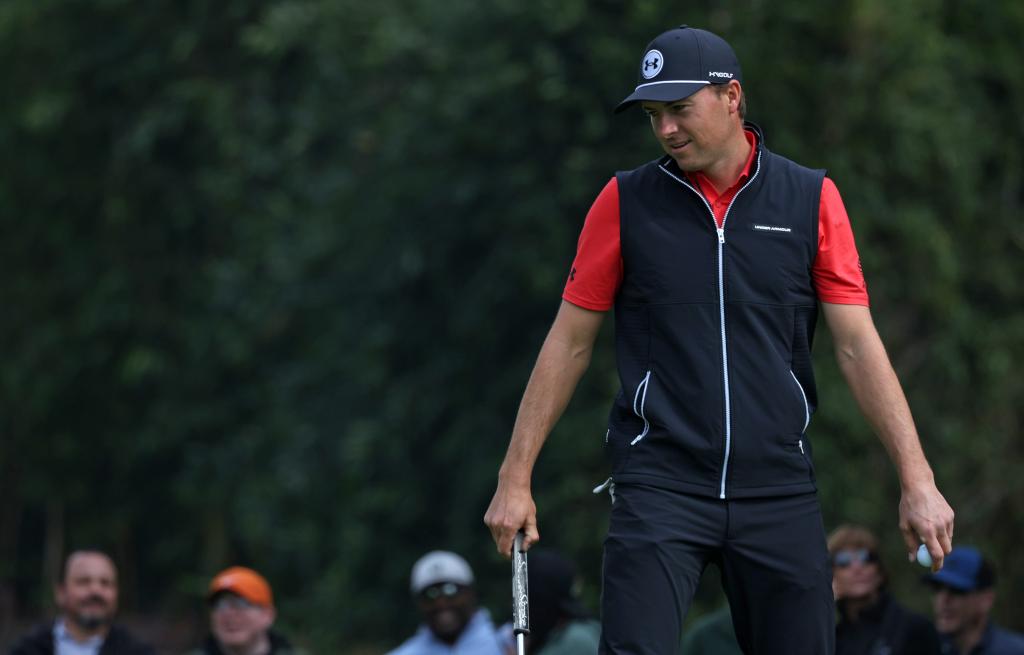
559,623
712,634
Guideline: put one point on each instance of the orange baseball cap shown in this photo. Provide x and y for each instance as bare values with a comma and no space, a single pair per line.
243,582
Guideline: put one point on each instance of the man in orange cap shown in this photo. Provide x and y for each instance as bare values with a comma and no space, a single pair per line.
242,615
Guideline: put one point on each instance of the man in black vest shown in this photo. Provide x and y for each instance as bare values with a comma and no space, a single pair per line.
716,258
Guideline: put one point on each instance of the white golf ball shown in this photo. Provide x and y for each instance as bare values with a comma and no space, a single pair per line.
924,558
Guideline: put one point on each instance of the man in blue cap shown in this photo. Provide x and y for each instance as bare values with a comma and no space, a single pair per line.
717,258
964,591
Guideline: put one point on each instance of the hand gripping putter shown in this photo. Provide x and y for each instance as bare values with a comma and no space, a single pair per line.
520,595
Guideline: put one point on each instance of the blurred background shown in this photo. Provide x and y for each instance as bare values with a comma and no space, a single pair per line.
273,276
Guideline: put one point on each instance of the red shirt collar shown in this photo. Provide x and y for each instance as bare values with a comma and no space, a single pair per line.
708,189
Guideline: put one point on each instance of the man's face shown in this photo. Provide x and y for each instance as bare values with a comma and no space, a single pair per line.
957,612
855,574
238,624
87,596
694,131
447,608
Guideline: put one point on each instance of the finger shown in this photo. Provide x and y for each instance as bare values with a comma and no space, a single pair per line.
911,540
531,534
946,542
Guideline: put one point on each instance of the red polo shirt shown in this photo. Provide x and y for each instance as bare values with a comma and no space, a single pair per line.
597,270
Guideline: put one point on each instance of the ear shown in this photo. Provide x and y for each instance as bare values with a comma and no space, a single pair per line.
269,616
734,92
986,599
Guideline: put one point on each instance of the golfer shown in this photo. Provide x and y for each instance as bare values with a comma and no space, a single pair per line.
717,258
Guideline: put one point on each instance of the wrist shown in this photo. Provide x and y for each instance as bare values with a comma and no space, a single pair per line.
516,477
917,479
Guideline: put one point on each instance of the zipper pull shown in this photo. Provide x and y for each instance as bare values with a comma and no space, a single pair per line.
801,444
721,234
604,485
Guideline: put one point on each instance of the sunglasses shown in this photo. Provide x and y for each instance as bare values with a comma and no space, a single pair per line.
442,590
228,601
845,558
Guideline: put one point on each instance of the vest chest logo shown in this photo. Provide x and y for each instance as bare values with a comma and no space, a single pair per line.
761,227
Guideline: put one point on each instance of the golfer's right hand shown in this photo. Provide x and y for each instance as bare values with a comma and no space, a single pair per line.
512,509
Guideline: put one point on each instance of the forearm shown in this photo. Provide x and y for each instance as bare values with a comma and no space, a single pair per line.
878,393
559,367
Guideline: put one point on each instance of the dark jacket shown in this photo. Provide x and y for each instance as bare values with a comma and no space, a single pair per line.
995,641
713,332
278,646
118,642
887,628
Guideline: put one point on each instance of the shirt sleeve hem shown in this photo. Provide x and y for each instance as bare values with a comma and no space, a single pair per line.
586,304
844,299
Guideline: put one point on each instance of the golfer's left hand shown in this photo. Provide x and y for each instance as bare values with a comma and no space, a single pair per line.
926,517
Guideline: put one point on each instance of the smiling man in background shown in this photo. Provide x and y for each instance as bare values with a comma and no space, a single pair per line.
242,614
86,596
442,584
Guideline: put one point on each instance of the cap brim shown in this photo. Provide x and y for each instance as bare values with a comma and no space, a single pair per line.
949,579
661,92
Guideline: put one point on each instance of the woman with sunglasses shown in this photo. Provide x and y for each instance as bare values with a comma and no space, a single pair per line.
870,621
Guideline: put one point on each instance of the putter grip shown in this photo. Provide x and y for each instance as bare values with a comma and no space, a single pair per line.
520,591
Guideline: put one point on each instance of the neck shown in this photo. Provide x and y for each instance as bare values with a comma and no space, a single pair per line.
259,647
854,607
970,637
726,170
81,633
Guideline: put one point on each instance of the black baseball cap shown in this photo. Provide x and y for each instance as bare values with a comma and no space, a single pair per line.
680,62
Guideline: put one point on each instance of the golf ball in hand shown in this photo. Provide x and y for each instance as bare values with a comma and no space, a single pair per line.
924,558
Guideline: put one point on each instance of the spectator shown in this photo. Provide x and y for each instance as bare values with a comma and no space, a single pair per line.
559,624
870,620
964,592
442,584
242,616
712,635
86,595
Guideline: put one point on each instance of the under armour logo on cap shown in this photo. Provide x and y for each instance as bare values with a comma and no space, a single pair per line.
652,64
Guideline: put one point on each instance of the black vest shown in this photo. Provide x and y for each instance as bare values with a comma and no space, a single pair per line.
714,330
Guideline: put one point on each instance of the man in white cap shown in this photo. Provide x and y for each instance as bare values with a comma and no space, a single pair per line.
442,584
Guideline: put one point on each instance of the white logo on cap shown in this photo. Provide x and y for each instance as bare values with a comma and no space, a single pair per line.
727,76
653,62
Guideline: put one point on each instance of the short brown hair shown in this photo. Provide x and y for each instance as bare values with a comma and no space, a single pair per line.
742,109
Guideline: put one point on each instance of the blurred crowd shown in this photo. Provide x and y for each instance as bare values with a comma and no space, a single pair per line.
240,603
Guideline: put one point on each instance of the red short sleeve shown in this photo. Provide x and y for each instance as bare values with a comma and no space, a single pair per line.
837,273
597,270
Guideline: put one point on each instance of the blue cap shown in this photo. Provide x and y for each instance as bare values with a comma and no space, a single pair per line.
964,569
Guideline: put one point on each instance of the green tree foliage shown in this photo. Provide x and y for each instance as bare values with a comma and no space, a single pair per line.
274,274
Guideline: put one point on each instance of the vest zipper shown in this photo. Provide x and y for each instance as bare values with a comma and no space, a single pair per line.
721,307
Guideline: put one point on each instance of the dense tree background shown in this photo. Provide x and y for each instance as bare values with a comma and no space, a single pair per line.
273,276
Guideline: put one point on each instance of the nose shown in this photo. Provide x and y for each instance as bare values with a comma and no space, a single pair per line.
664,126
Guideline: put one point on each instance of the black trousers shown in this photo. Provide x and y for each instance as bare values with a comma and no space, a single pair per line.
771,553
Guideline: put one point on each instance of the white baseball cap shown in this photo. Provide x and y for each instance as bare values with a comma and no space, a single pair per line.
440,566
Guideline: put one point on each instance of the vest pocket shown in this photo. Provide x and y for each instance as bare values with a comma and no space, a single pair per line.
639,401
803,400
